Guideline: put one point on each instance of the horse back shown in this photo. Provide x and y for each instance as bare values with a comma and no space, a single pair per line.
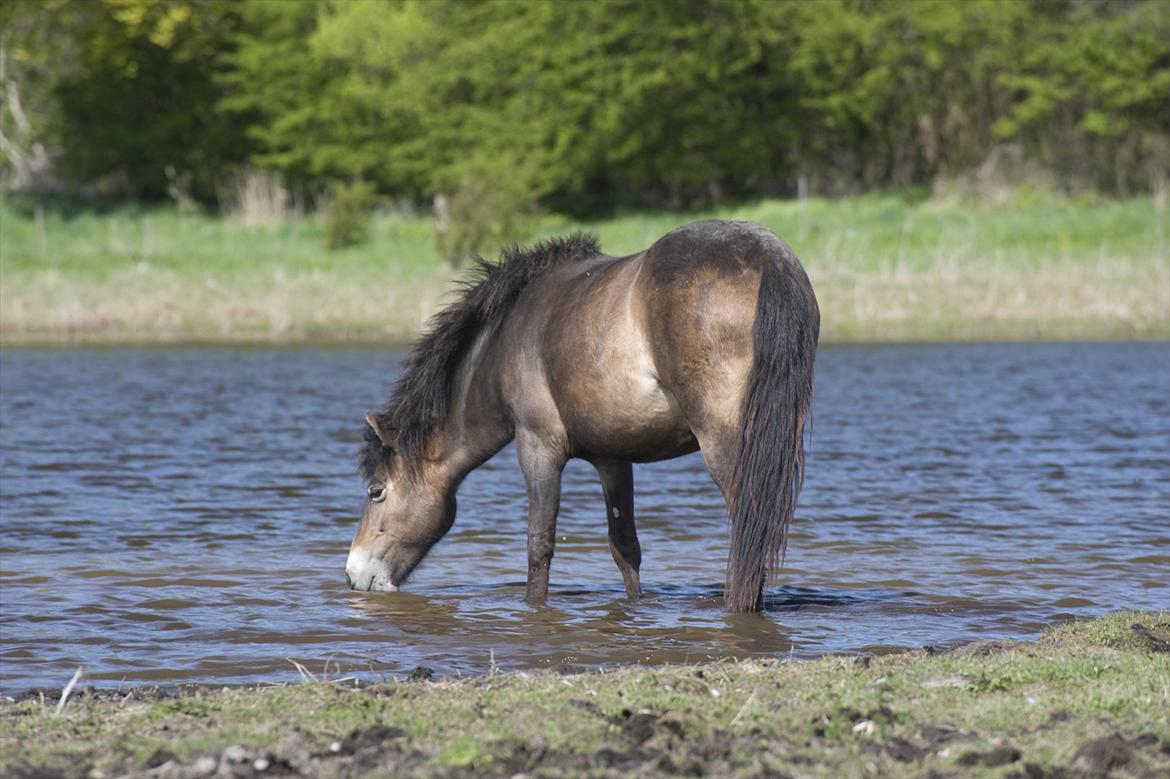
627,357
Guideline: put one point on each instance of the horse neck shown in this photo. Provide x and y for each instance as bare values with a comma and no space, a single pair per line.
476,428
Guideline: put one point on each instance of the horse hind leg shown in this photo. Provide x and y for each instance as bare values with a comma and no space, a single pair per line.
617,481
711,406
719,449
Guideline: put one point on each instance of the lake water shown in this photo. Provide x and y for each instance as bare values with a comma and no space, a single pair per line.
183,514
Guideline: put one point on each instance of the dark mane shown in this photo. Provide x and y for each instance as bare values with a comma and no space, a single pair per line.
421,397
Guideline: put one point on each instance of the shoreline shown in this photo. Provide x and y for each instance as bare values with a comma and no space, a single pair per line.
1088,698
119,341
920,313
954,333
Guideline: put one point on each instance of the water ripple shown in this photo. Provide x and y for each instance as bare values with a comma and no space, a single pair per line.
183,514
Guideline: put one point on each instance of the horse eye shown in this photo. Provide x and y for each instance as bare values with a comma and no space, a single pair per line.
377,492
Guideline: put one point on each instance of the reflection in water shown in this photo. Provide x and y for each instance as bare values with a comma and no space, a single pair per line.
954,492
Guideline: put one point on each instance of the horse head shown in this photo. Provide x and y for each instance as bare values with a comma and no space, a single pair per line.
406,512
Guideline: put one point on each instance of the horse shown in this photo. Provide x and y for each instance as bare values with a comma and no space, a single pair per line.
706,340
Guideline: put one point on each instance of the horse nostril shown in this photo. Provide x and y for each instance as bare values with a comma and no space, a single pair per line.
348,580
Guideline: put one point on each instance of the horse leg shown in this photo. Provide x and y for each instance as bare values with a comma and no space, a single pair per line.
617,480
718,448
542,473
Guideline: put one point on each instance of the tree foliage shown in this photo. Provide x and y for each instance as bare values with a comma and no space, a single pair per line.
126,89
586,105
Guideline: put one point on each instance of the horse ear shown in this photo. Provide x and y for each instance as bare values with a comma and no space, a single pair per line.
372,421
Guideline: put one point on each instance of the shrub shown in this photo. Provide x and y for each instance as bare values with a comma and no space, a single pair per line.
483,214
347,214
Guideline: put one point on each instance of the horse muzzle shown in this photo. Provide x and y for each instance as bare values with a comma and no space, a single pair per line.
365,572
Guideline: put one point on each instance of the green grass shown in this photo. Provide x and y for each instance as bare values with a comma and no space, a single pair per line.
1088,699
885,267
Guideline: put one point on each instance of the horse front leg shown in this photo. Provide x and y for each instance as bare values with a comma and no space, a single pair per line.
617,480
542,473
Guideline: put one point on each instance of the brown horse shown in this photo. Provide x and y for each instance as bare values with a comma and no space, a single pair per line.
705,341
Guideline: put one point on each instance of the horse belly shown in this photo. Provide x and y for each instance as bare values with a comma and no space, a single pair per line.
616,407
601,374
645,425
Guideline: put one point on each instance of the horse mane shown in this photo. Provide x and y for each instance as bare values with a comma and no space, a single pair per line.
420,399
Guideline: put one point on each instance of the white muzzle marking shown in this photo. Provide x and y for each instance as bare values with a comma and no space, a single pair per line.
366,572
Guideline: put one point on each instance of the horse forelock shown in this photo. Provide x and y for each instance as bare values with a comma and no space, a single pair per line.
421,397
374,456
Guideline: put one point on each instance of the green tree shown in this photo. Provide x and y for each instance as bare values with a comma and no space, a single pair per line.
132,90
1091,92
503,107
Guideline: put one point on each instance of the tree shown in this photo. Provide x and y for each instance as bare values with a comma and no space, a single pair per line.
127,90
583,106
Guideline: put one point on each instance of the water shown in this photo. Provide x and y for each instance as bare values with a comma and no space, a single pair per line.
183,514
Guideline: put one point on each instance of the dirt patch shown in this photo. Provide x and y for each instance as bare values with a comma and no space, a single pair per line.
937,736
377,736
1037,771
640,727
1155,639
1104,755
589,706
25,770
378,750
1003,755
420,673
903,751
130,694
988,648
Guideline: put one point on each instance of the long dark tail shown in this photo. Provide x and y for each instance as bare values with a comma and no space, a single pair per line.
769,467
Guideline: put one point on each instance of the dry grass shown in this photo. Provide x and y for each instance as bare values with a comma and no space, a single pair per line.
947,302
961,302
258,197
151,304
883,269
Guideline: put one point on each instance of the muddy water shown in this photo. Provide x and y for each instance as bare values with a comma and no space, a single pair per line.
174,515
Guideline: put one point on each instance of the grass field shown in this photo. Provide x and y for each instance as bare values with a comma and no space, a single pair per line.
885,267
1089,699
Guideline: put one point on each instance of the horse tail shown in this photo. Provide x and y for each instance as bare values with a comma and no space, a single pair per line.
768,469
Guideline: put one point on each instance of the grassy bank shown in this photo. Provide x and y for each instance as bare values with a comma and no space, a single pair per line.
1088,699
884,268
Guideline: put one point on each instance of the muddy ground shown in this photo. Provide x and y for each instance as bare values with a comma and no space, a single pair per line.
1090,699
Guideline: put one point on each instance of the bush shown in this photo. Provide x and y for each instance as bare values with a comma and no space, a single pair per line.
483,214
347,215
